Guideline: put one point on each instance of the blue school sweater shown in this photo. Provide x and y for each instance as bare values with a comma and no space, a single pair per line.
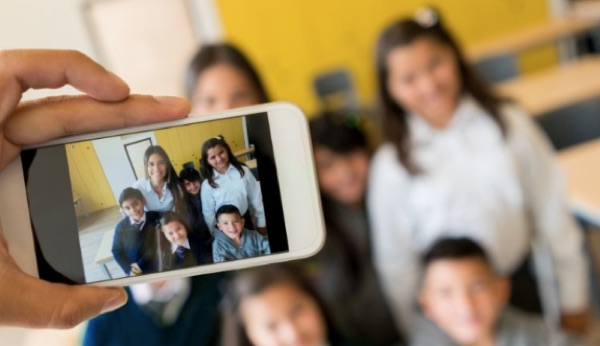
132,245
197,323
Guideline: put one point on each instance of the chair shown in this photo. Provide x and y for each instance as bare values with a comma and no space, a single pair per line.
336,91
572,124
498,68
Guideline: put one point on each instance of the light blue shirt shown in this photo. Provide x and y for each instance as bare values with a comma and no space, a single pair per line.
243,192
153,203
253,244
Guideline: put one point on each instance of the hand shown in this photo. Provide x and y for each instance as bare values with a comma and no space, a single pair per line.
262,230
575,322
135,270
24,300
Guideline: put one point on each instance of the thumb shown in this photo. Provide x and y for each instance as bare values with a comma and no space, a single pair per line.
32,302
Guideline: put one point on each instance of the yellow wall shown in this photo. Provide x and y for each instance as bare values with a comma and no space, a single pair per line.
88,182
292,41
182,144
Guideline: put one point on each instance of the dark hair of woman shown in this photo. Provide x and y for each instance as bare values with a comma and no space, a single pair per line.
207,170
222,53
393,117
171,178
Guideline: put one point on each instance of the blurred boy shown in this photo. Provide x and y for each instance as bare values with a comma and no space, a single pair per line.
232,240
465,300
134,244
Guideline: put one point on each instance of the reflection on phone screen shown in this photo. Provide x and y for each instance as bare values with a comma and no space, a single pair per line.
155,201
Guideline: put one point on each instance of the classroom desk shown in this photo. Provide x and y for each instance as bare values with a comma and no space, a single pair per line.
581,165
104,254
531,37
554,88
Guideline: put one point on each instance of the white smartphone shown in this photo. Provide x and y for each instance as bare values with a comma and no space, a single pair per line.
70,208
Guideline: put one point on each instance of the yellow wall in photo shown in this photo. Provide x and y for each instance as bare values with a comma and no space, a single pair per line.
291,42
88,182
184,144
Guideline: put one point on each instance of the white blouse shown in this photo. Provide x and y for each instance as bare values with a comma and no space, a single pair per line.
153,202
243,192
474,183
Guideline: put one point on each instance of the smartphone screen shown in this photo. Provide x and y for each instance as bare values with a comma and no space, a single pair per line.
155,201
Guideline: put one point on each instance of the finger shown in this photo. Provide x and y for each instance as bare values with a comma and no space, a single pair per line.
54,68
55,117
40,304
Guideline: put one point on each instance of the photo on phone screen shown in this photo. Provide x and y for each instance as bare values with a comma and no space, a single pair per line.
155,201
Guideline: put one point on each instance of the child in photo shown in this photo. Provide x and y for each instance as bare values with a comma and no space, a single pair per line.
184,250
134,244
191,181
233,241
274,306
229,181
464,301
460,161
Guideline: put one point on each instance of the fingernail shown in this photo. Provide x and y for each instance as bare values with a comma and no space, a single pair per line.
115,303
169,100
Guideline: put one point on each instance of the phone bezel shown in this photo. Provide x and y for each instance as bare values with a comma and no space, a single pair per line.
295,171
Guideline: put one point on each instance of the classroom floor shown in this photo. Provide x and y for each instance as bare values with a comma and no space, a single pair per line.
92,229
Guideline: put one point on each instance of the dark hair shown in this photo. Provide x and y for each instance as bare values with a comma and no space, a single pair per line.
171,216
130,193
393,117
207,169
226,53
171,178
189,174
252,282
337,132
227,209
454,249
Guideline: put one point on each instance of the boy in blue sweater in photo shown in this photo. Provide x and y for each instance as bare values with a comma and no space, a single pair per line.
232,240
134,244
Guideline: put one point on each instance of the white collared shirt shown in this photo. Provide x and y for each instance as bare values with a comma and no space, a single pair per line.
243,192
142,222
153,202
475,183
186,244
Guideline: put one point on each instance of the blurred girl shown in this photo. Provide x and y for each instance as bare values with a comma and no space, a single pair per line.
229,181
160,187
272,306
460,162
220,77
343,271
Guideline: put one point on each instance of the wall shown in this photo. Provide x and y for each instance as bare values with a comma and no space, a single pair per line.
100,170
292,41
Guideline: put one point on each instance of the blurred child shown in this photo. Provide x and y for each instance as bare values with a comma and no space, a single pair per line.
343,271
458,161
134,244
220,77
229,181
160,187
465,301
233,241
184,250
273,306
191,181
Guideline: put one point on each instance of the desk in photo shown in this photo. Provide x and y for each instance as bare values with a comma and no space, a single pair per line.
104,254
530,37
561,86
581,165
